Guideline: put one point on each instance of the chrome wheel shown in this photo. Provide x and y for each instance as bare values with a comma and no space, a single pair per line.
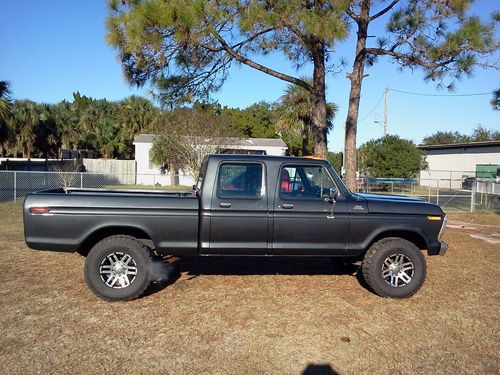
118,270
398,270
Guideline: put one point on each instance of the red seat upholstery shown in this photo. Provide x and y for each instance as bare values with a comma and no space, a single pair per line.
285,183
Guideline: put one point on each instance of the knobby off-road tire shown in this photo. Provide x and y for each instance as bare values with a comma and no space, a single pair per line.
394,267
117,268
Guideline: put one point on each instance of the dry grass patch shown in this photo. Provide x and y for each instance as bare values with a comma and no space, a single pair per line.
247,316
481,217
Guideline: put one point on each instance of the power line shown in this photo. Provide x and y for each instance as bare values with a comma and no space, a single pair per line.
423,94
419,94
373,110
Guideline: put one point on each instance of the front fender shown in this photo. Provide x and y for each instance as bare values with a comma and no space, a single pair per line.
365,231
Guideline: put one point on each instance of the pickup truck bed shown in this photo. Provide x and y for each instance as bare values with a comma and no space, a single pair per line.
78,217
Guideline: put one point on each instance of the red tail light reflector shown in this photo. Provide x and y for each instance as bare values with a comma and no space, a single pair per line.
39,210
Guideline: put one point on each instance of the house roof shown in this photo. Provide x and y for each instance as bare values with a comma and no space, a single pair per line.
145,138
265,142
262,142
460,145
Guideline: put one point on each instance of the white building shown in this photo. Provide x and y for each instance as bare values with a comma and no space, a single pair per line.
150,174
453,163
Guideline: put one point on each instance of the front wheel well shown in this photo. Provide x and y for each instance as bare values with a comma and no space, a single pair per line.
413,237
105,232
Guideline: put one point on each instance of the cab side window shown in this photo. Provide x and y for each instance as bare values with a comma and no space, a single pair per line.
303,181
239,180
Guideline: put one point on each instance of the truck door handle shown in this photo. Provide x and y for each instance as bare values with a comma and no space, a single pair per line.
224,205
287,205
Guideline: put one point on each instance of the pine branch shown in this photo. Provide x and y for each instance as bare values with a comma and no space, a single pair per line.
410,58
353,15
384,11
245,60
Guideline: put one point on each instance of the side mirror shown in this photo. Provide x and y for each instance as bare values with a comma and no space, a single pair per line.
196,191
334,193
332,196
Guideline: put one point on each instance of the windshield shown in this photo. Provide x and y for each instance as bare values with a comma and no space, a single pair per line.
338,180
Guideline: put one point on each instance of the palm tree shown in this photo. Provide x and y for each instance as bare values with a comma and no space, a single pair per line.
47,139
25,118
97,124
135,115
5,107
5,100
294,113
66,121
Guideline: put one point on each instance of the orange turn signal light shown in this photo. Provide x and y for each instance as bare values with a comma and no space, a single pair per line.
313,157
434,218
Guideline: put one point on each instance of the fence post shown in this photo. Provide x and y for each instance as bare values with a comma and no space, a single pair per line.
429,199
473,196
437,195
15,185
81,180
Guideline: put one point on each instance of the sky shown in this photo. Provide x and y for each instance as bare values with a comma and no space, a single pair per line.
51,49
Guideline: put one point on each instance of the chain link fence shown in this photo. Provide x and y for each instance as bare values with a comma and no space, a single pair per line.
14,185
465,194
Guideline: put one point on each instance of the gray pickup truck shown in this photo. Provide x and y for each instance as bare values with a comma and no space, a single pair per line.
242,205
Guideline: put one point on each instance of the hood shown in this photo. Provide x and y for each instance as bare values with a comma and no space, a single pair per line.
397,204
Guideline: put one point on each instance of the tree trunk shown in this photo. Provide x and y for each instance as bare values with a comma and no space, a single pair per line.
305,137
356,78
319,129
174,174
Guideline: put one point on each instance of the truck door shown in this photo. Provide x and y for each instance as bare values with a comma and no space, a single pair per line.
306,220
239,219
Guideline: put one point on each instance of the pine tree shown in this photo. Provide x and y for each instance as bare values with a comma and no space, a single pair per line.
435,36
185,47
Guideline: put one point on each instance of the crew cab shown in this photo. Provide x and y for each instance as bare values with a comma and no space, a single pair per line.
242,205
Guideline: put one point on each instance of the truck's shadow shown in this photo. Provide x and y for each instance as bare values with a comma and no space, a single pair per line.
167,271
320,369
263,266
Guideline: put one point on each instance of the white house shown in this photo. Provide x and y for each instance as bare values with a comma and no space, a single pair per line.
150,174
453,163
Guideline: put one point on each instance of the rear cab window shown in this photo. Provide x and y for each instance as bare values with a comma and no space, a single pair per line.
240,180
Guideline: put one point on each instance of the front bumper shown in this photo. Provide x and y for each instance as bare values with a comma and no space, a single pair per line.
443,248
438,248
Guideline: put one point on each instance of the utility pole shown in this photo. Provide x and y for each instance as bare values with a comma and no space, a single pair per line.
386,94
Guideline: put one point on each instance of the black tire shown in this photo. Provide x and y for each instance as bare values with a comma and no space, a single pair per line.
125,279
387,270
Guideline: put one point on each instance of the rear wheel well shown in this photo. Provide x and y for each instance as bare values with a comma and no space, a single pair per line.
413,237
103,233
